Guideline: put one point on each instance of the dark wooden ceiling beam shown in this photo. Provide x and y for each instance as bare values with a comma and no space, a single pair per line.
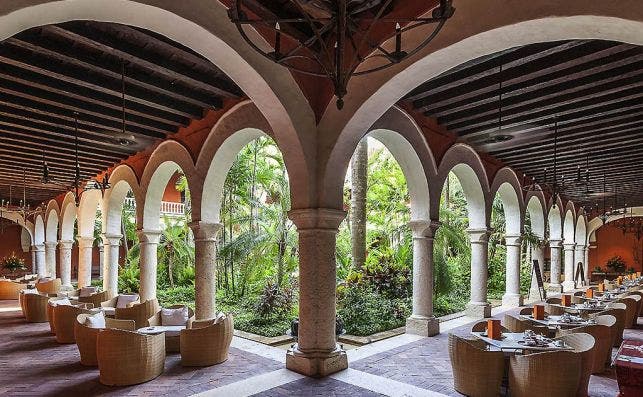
137,56
61,158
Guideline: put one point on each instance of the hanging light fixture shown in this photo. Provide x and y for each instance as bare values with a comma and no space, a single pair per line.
23,208
333,38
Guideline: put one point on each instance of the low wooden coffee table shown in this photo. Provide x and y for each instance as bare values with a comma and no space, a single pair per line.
172,335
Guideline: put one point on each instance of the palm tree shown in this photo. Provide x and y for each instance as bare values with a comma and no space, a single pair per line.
359,184
174,249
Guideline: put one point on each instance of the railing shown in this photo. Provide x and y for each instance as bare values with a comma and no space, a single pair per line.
167,208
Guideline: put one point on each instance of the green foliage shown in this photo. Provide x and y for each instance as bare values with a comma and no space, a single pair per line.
176,296
13,262
246,318
365,311
128,279
617,264
275,300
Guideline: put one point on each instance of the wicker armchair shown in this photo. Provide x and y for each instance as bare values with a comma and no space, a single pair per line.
128,358
86,337
631,311
140,313
551,374
526,311
207,342
516,324
64,319
584,345
172,342
35,307
602,343
640,301
554,310
618,311
10,289
476,372
95,299
481,326
50,314
49,287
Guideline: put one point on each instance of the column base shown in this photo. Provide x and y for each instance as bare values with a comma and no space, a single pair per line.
555,288
478,309
316,365
423,326
512,300
534,295
568,285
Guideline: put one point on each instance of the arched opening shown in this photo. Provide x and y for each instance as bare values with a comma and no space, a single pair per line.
534,236
15,233
569,247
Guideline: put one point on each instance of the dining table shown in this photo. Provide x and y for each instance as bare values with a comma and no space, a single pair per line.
554,321
629,368
515,342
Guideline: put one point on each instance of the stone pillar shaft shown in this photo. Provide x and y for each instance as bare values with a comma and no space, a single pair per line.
148,241
85,248
422,321
41,267
65,262
50,258
205,259
570,265
34,269
316,352
512,296
478,305
537,253
554,284
111,253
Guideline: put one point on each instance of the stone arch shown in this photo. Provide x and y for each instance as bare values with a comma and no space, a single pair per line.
89,203
569,226
475,30
168,158
507,186
207,30
123,179
581,229
17,218
238,127
68,217
555,219
51,226
39,230
596,222
466,164
536,209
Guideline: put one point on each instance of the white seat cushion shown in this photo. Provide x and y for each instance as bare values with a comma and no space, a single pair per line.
124,300
178,316
95,321
220,317
109,311
60,302
87,291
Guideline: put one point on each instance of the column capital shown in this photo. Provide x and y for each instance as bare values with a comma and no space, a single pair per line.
513,240
424,228
38,247
51,244
148,236
581,247
479,236
112,239
317,218
555,243
569,246
85,242
65,244
205,231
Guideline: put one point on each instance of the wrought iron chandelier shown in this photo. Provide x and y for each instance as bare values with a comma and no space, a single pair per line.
22,207
630,224
333,38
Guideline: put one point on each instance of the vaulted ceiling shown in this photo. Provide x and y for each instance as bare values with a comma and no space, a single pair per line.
49,73
594,89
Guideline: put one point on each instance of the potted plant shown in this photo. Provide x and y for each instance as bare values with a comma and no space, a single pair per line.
617,264
13,263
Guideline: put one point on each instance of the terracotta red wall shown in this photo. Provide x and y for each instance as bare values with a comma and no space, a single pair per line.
10,242
611,241
171,194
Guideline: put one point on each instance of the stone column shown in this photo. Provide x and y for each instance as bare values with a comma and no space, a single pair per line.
316,352
50,258
512,295
101,259
579,256
65,262
111,244
41,267
570,265
478,306
34,269
148,241
537,253
422,321
205,258
554,271
85,247
586,269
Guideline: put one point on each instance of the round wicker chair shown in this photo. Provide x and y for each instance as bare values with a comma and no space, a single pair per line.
86,337
50,313
10,289
640,301
140,313
207,342
554,310
618,311
526,311
49,287
128,358
631,307
516,324
35,307
64,319
476,372
602,343
172,342
95,299
551,374
584,345
481,326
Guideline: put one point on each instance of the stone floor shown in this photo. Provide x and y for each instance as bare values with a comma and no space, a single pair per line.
33,364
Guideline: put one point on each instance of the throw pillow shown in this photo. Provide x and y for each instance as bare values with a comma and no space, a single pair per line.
61,302
87,291
178,316
123,300
95,321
